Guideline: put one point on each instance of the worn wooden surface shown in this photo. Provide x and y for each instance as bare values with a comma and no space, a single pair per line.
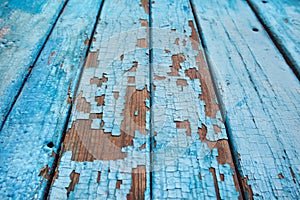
24,28
147,122
31,135
190,149
260,96
107,142
282,19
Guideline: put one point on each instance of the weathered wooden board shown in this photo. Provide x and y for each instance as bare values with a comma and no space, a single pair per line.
282,19
106,151
32,132
191,156
24,27
260,98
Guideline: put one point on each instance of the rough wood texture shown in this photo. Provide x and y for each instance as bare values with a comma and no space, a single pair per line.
185,165
146,109
260,98
138,184
282,19
31,135
24,28
107,142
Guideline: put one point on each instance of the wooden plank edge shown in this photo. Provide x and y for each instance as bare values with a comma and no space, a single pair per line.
280,46
19,84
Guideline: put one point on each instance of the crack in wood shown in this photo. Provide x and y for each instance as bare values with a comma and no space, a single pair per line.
98,177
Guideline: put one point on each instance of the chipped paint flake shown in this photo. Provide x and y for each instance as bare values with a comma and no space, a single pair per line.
45,97
108,137
190,151
250,75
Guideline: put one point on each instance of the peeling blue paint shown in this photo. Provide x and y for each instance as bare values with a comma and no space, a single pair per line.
119,22
259,96
260,106
22,34
40,112
181,159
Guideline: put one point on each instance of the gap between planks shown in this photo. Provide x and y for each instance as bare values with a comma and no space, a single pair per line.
221,105
293,78
280,47
32,66
150,80
58,154
151,97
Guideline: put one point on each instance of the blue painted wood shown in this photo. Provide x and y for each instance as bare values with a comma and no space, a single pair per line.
32,132
282,19
260,98
191,155
24,27
106,151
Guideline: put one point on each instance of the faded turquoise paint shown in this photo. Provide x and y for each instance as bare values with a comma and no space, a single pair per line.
40,112
24,27
260,97
182,162
282,18
121,26
257,88
28,6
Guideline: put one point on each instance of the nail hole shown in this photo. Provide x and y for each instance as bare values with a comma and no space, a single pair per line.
255,29
265,1
50,145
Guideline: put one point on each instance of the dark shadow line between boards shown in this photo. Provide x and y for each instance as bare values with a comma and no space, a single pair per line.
283,51
59,148
32,66
221,104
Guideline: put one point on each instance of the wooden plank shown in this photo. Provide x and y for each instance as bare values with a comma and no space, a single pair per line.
260,98
31,135
282,19
191,155
107,142
24,28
